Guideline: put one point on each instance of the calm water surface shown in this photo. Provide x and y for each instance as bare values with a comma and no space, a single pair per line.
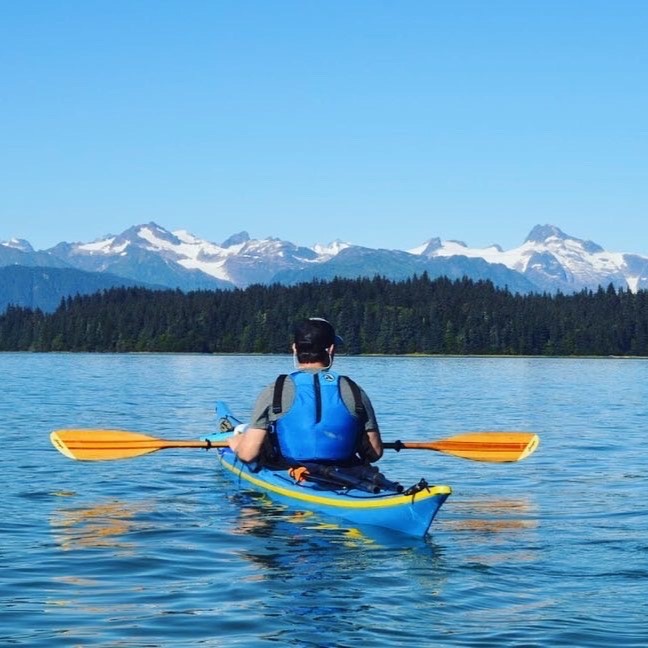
161,551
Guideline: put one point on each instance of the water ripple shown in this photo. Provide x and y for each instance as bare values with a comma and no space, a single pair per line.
162,551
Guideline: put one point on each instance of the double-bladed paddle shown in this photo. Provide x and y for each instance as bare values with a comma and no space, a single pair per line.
101,445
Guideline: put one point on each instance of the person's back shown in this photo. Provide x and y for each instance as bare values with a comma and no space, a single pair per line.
314,414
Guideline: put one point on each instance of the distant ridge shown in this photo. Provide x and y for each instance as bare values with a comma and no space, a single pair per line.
549,260
34,287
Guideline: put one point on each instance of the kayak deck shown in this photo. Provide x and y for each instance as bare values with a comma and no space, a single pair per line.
408,512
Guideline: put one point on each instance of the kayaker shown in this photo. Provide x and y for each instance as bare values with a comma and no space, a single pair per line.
312,414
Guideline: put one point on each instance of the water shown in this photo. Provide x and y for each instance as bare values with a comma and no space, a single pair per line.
161,551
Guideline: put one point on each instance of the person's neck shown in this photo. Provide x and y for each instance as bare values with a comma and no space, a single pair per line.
311,366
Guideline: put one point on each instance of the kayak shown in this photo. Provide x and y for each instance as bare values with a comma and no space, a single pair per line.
407,512
363,498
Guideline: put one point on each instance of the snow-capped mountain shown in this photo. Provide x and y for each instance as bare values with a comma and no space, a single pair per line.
146,253
552,260
18,244
181,260
548,260
20,252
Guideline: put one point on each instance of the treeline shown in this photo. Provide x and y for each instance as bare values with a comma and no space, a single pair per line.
375,316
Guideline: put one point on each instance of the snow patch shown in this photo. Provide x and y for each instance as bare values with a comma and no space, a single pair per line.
18,244
330,250
103,246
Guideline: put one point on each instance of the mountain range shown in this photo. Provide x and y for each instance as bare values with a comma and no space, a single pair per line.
149,255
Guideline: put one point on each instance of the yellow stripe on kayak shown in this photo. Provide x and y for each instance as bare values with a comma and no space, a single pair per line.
360,503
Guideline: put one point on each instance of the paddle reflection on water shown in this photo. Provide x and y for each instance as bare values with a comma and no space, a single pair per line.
502,517
102,525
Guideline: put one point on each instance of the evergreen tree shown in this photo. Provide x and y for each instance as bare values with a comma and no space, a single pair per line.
418,315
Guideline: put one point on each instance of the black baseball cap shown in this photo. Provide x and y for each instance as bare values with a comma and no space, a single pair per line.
315,334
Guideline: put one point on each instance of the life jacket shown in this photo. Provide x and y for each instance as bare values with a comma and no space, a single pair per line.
318,425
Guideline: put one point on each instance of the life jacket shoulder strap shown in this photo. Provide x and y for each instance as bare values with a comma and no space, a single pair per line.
278,390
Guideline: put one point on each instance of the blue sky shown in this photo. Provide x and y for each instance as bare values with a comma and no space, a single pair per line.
379,123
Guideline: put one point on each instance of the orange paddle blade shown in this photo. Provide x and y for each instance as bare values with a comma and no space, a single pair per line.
499,447
102,445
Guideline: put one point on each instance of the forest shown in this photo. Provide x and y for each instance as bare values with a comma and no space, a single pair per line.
374,316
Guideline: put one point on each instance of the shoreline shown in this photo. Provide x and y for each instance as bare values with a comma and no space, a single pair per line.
338,355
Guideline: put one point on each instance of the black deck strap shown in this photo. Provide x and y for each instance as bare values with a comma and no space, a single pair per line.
278,390
357,398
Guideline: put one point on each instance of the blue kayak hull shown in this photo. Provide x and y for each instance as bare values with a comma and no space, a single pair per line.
411,514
